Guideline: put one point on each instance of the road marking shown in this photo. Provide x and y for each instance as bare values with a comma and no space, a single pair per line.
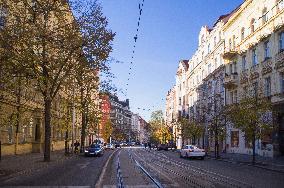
83,165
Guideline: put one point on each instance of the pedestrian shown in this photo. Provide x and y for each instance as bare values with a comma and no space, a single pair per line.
145,145
149,144
76,145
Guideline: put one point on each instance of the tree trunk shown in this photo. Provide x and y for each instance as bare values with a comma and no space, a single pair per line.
83,130
253,148
18,115
47,120
66,143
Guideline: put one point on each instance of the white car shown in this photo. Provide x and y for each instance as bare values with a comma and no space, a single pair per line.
109,146
192,151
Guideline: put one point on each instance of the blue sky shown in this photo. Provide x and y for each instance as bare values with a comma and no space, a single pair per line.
168,33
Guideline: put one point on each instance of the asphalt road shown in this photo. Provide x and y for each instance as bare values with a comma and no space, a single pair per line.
139,167
78,171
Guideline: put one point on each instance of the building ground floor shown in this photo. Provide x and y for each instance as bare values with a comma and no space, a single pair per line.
235,141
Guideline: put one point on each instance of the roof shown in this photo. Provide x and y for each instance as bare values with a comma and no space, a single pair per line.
225,18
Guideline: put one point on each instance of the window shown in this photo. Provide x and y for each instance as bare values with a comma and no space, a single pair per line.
254,88
215,41
230,44
245,91
209,48
216,63
235,100
243,33
264,16
244,62
267,83
266,50
252,26
209,68
235,67
219,35
232,97
179,99
234,41
231,68
248,143
3,14
281,41
282,82
254,57
234,138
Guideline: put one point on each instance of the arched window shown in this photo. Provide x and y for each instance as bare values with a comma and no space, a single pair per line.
243,33
264,15
252,25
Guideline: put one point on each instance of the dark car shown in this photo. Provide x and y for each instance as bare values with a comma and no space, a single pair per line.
94,150
117,145
162,147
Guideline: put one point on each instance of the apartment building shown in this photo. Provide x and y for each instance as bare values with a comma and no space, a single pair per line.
254,38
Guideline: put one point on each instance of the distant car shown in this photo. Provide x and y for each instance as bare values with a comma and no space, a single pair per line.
94,150
117,145
162,147
191,151
109,146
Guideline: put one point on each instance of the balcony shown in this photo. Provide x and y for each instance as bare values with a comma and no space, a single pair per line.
230,53
231,81
266,66
279,60
254,72
244,77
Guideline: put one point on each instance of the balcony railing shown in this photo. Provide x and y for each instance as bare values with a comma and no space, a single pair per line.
231,81
266,66
244,77
254,72
230,53
279,60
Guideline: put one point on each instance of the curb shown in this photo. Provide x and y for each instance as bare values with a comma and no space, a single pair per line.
99,182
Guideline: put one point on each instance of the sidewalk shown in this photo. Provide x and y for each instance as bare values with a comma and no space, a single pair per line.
15,165
274,164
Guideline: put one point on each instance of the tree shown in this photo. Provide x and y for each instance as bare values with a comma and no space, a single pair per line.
190,129
158,130
44,40
252,115
216,118
107,131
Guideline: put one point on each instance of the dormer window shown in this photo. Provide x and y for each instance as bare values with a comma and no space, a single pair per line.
264,16
252,25
243,33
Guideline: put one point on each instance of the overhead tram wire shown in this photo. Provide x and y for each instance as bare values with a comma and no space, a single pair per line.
140,6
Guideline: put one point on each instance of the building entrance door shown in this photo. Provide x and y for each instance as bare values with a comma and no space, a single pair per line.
281,135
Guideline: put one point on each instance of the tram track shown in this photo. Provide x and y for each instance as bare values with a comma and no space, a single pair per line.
218,180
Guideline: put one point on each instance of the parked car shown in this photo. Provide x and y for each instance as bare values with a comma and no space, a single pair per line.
191,151
94,150
162,147
109,146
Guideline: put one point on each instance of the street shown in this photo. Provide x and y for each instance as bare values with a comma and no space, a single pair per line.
137,167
